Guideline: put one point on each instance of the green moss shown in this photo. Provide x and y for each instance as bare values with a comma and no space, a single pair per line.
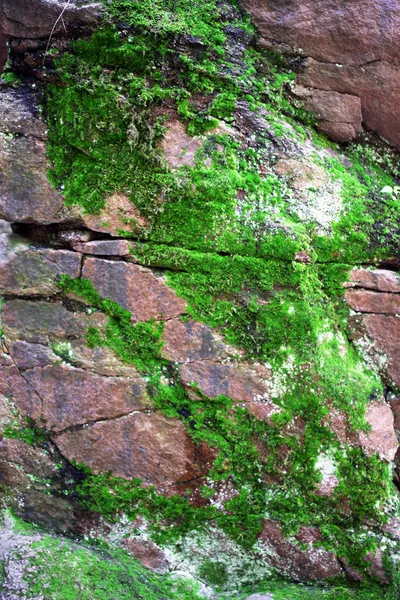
317,379
99,575
32,434
214,573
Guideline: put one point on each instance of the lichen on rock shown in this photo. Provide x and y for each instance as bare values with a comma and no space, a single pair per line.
199,332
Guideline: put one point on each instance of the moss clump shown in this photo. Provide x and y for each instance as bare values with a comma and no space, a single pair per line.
229,428
99,575
32,433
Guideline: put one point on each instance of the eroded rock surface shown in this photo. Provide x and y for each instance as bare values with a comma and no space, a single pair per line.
353,57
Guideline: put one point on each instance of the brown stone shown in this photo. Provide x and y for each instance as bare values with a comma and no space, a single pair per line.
189,341
135,288
381,439
20,113
240,381
339,114
304,175
395,406
104,247
73,396
118,214
179,148
301,565
26,270
149,446
24,398
353,49
26,195
384,330
148,554
40,18
28,356
373,302
263,411
379,280
34,321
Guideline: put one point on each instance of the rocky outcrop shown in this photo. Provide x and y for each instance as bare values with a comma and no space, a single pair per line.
180,370
352,59
43,18
374,297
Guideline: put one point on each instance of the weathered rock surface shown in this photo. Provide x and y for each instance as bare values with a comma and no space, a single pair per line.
135,288
39,19
311,564
26,194
149,446
352,49
28,270
374,294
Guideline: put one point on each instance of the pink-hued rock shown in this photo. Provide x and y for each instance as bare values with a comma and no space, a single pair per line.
384,330
395,406
301,565
14,386
26,270
135,288
104,247
373,302
148,554
149,446
240,381
73,396
379,280
381,439
263,411
190,341
339,115
29,356
179,147
353,49
119,214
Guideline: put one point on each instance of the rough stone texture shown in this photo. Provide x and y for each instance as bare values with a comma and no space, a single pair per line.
29,270
339,115
22,19
135,288
353,49
149,446
179,148
73,396
117,213
103,247
381,438
367,301
240,381
25,191
376,292
191,341
311,564
260,597
148,554
379,280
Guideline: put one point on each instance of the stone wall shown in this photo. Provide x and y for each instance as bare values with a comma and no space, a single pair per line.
351,71
71,405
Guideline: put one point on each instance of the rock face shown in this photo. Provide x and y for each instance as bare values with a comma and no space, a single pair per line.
374,296
26,194
39,19
180,365
352,68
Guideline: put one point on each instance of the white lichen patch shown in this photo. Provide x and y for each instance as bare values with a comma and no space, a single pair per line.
242,567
